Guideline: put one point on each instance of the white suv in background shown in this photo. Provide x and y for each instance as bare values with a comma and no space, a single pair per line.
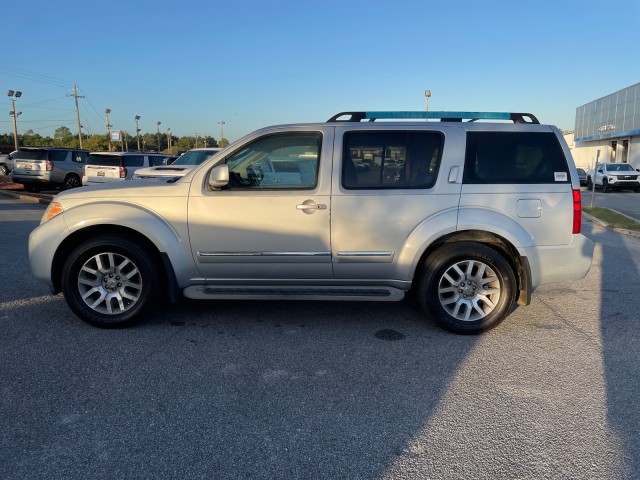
471,213
103,167
183,164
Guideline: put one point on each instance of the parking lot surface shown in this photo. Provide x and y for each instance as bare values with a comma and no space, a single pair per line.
321,390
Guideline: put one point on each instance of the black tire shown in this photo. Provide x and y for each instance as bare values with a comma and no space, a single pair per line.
605,186
120,292
476,268
4,170
589,183
71,181
29,187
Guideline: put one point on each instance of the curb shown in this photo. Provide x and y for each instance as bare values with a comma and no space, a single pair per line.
597,221
28,198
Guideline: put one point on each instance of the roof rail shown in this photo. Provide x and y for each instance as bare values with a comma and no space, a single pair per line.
443,116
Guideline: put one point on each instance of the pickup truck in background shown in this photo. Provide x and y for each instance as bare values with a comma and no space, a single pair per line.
614,176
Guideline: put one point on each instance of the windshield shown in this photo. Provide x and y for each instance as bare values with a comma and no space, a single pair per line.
194,157
620,167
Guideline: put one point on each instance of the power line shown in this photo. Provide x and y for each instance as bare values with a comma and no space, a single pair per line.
35,77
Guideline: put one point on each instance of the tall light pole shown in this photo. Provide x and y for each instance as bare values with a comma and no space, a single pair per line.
138,131
107,111
168,138
427,94
221,123
158,125
13,96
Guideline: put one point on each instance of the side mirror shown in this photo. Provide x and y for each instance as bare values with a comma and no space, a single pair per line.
219,177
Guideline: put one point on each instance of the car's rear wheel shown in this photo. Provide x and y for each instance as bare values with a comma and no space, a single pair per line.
467,287
71,181
32,188
110,281
3,170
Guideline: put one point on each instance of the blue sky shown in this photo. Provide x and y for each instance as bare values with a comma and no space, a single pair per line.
191,64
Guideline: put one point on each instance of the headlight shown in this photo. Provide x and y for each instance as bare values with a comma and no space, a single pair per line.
52,210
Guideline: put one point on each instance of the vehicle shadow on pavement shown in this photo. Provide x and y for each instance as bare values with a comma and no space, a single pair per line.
620,280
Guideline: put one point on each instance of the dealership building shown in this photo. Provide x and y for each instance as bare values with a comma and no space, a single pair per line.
608,129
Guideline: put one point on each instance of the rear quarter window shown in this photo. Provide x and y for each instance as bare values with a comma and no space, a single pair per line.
514,157
58,155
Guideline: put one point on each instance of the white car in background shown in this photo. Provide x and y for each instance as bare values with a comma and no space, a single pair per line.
183,165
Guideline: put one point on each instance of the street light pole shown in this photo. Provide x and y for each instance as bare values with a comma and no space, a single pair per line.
107,111
158,125
138,131
427,94
168,138
13,96
221,123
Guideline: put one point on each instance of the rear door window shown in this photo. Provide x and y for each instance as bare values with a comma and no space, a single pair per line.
514,157
381,160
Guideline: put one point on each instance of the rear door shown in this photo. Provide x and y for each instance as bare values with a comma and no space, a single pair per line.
387,185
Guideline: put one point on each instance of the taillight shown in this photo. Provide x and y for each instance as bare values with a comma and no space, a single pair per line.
123,172
49,165
577,211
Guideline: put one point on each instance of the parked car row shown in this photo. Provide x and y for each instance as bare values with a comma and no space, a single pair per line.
43,167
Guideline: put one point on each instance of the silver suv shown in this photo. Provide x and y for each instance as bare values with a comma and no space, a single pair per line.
470,215
40,167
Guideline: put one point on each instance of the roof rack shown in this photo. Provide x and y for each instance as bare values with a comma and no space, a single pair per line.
443,116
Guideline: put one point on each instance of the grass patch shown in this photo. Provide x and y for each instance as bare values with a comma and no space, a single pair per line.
614,219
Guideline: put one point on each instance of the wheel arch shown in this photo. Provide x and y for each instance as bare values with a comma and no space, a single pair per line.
519,263
76,238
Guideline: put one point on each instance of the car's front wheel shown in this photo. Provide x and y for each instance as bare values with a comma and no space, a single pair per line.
589,183
467,287
110,281
605,186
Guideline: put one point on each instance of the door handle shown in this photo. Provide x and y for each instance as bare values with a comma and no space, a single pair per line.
311,206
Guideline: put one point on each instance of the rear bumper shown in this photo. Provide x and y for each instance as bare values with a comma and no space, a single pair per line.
560,263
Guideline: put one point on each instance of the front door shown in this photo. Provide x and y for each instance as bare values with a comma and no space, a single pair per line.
271,224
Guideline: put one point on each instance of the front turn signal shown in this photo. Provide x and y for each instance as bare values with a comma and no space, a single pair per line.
52,210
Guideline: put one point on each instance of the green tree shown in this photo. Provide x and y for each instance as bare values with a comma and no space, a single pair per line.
96,143
63,137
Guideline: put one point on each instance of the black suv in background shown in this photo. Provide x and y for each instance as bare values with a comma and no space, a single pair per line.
40,167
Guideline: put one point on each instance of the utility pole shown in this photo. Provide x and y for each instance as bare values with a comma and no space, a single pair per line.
168,138
76,96
158,125
107,111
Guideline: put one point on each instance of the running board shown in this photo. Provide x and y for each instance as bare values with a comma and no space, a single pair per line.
215,292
